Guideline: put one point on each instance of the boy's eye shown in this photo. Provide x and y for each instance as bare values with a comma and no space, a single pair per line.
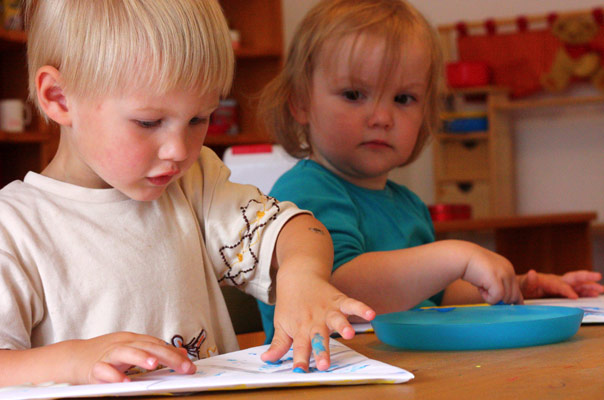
198,120
148,124
351,95
404,99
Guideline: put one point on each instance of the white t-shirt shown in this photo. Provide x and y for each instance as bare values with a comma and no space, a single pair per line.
76,263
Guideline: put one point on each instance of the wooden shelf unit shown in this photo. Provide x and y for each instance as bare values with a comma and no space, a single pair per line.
259,59
497,197
33,149
476,168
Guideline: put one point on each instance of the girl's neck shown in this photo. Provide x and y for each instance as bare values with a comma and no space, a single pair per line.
371,183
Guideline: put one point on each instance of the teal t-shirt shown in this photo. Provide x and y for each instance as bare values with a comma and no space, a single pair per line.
359,220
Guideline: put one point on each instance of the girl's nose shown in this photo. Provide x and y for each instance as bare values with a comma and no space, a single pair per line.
381,116
174,146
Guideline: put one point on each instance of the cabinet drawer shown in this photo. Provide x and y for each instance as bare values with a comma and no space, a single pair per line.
464,160
476,194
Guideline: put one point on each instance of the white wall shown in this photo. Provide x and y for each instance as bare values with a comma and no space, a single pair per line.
559,151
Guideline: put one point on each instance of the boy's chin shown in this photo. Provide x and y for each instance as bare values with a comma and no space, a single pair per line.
144,195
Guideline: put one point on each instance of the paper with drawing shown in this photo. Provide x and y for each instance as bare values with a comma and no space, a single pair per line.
593,307
238,370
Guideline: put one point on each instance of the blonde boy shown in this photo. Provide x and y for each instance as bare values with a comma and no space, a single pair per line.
112,257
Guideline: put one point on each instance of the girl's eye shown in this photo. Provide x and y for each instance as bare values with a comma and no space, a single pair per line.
352,95
404,99
148,124
198,121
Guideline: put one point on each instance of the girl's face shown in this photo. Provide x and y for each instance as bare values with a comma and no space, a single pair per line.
360,128
137,144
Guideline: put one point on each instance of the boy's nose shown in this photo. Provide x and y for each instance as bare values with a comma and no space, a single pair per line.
381,117
174,147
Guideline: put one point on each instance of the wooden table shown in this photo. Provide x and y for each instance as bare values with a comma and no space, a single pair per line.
569,370
551,243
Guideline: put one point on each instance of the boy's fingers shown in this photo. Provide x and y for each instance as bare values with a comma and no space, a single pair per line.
354,307
301,353
149,355
103,372
279,346
339,323
320,349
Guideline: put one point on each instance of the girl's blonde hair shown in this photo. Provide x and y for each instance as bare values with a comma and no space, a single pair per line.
395,22
105,47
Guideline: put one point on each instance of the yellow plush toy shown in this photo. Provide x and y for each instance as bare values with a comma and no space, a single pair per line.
575,58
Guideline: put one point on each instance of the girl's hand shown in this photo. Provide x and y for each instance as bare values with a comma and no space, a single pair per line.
306,317
494,277
572,284
106,358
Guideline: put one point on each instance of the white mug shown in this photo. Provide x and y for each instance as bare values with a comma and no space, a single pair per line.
14,115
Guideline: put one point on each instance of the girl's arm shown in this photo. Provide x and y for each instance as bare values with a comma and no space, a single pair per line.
400,279
98,360
308,306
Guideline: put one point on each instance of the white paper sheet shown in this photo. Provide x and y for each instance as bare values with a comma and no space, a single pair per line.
593,307
233,371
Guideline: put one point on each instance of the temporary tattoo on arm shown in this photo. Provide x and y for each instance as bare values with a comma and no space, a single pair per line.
316,230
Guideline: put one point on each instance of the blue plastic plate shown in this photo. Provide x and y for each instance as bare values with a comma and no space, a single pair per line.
477,328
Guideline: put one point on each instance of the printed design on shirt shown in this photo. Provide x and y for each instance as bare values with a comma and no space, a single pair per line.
211,351
256,214
193,346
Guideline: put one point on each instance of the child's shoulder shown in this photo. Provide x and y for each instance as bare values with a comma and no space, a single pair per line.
305,177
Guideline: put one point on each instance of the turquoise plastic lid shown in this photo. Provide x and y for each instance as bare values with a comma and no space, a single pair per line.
477,328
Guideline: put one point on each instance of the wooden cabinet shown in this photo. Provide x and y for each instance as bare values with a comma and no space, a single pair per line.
475,166
259,59
32,149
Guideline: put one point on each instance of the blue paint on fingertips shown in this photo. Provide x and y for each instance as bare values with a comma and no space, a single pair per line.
317,344
299,370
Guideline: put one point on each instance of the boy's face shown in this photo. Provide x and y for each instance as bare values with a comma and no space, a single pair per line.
358,129
137,144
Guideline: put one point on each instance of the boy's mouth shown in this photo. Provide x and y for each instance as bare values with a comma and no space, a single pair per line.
161,180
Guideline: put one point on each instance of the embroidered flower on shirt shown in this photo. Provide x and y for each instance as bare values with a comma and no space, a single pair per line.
256,214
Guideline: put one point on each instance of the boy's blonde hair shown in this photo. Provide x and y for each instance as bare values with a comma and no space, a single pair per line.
105,47
393,21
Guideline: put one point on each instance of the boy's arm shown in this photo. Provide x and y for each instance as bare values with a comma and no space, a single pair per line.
400,279
98,360
308,306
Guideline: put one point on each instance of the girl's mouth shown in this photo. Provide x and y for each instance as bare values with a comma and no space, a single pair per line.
376,144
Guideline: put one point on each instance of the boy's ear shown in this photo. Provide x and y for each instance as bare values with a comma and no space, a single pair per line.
298,110
51,97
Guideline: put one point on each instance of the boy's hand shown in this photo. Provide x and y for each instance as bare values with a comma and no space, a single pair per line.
104,359
572,284
494,277
306,317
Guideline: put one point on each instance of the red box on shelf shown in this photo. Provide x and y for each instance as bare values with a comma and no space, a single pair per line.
462,74
449,212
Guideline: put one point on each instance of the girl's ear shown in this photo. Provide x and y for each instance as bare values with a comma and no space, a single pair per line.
51,97
298,110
